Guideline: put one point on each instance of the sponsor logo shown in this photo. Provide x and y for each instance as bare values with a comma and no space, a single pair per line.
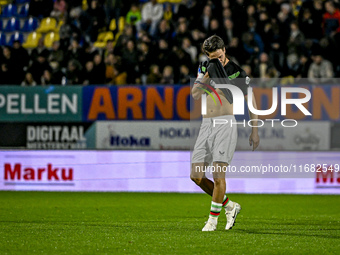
234,76
129,141
177,132
55,137
15,103
16,172
117,140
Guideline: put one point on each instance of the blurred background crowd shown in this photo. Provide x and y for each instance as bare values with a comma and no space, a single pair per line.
121,42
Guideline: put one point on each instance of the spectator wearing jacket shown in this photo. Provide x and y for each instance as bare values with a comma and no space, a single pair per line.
152,13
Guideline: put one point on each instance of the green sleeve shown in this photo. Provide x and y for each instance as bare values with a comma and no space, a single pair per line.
128,18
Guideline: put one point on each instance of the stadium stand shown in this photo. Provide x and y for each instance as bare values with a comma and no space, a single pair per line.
30,25
23,11
3,40
275,39
102,39
17,36
12,25
47,24
22,1
32,40
50,38
9,11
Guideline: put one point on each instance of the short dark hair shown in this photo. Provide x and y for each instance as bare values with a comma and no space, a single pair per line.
212,44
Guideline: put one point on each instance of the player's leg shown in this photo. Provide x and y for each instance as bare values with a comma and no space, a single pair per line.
201,156
197,175
219,182
223,148
232,209
217,197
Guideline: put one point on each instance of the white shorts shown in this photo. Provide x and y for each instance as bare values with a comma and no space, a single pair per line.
215,144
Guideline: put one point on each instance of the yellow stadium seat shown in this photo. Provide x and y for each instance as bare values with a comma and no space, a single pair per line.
60,23
102,39
99,44
101,36
32,40
4,2
121,23
50,38
108,36
113,25
47,25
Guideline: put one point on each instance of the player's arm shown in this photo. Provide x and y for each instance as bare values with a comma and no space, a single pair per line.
254,139
198,87
202,78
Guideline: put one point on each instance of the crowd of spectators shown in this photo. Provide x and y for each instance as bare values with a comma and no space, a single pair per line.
161,43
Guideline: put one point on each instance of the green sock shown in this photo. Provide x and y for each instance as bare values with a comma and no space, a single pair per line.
215,210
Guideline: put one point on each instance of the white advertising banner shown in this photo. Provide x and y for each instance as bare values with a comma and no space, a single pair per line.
145,135
166,171
180,135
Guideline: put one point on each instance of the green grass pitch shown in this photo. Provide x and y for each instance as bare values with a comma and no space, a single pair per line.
165,223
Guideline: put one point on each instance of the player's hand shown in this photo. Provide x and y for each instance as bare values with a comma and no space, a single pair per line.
254,140
202,70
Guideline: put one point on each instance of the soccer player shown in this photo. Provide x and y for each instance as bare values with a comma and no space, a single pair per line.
216,144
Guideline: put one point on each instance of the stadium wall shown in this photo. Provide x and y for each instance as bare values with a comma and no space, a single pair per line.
147,117
148,123
91,103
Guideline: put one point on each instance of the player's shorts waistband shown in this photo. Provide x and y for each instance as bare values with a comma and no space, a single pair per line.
225,117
